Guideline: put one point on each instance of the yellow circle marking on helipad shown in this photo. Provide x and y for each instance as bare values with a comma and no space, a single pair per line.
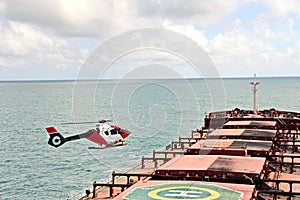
213,194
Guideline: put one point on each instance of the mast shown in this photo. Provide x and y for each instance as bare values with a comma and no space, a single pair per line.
254,83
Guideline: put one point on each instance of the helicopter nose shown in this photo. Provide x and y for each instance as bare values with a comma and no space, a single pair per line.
125,134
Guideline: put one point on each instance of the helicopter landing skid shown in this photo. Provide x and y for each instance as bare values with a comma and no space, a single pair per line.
97,147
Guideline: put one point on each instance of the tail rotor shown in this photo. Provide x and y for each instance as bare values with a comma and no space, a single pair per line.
56,139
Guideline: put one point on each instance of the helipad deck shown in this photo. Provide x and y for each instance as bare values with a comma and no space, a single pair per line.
214,166
230,147
248,134
150,190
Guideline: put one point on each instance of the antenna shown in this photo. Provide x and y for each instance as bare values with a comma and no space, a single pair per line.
254,83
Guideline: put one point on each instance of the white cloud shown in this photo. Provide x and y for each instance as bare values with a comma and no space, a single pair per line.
250,46
78,18
243,50
2,6
190,31
49,34
188,11
24,47
278,9
102,18
20,39
293,52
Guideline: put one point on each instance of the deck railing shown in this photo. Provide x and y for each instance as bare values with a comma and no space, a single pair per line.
123,186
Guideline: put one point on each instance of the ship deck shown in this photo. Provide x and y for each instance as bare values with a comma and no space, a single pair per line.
217,166
233,147
249,134
244,157
186,189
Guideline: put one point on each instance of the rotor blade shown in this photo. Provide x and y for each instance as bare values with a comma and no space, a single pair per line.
104,120
80,123
91,122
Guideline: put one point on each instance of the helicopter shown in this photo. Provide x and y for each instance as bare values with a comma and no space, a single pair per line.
103,134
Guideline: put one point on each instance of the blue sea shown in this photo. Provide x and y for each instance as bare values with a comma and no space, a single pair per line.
155,111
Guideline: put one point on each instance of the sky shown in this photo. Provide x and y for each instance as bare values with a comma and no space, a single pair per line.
52,39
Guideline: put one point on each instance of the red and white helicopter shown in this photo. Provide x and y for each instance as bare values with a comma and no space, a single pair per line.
103,134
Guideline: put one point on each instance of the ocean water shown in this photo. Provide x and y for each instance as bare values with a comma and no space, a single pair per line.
155,111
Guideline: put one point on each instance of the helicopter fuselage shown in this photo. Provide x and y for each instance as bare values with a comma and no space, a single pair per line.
103,134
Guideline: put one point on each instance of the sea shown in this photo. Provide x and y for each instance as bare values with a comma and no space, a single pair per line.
155,111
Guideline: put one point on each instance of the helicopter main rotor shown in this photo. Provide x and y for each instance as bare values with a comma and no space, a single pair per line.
89,122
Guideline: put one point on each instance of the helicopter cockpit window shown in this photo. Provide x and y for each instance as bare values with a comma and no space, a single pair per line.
113,131
125,130
106,132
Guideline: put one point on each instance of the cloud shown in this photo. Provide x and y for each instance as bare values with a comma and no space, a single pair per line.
53,35
189,11
2,6
255,46
67,18
75,18
94,18
190,31
251,45
24,47
278,9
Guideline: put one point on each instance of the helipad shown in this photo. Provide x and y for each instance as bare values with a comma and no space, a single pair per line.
186,190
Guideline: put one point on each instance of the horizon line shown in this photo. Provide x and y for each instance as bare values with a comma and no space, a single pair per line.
116,79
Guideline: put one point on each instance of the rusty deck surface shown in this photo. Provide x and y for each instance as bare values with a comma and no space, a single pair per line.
233,144
242,133
251,123
214,163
